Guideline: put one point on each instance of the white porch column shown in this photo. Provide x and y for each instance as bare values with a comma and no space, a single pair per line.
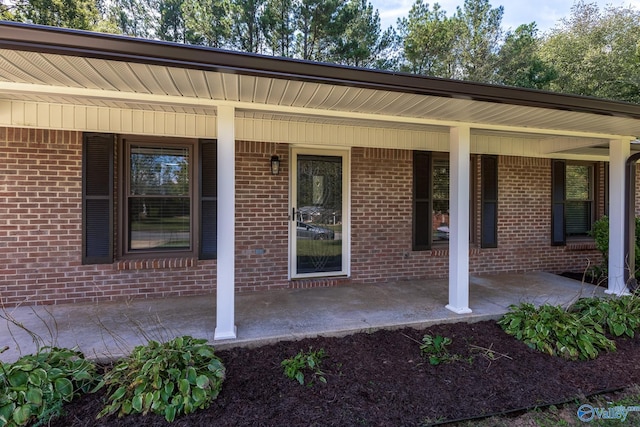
225,291
459,160
619,152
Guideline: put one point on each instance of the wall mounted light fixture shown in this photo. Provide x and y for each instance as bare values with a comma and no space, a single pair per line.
275,165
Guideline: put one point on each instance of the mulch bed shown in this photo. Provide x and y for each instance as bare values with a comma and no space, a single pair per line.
381,379
586,278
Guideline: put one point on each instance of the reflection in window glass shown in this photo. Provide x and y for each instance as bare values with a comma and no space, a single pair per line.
319,214
159,202
440,216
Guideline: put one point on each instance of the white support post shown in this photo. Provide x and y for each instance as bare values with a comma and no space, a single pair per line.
225,290
459,160
619,152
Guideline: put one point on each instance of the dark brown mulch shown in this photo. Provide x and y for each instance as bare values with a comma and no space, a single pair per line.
380,379
586,278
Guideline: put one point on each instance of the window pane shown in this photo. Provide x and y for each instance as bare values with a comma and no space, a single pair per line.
578,205
159,171
578,215
440,220
578,182
440,179
159,223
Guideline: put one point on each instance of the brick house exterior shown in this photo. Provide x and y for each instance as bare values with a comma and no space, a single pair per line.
41,235
44,126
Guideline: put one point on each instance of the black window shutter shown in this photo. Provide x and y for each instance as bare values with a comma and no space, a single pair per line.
97,199
422,211
489,177
208,199
558,196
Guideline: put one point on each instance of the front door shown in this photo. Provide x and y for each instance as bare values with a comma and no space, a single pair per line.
319,214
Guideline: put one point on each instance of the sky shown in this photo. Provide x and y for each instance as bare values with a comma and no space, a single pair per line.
546,13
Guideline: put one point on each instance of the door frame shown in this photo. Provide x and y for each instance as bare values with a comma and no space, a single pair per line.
345,154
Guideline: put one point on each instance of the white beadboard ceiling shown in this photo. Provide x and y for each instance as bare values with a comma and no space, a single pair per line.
53,78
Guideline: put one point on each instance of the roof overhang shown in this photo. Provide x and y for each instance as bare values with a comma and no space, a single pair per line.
46,64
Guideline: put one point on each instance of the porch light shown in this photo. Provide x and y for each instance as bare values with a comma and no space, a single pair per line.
275,165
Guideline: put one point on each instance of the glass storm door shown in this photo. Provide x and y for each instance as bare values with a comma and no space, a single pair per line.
319,220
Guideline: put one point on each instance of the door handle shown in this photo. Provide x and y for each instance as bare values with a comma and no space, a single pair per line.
293,214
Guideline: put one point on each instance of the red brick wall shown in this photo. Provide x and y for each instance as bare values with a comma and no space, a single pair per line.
524,225
382,222
40,232
262,208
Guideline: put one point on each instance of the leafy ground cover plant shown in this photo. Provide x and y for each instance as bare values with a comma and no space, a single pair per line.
621,315
294,367
34,388
435,349
556,331
170,379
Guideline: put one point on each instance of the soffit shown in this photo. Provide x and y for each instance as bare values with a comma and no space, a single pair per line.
121,84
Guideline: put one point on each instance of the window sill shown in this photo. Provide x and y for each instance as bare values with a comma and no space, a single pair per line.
581,245
156,263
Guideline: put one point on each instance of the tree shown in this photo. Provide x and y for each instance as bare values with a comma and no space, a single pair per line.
6,12
172,23
132,17
595,53
278,26
315,24
246,25
80,14
388,54
479,37
207,22
519,63
429,40
357,39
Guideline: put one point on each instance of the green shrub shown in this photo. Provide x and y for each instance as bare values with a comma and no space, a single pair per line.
556,331
600,234
435,349
620,316
295,366
35,387
169,379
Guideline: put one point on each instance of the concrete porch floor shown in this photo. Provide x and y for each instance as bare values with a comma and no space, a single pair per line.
109,330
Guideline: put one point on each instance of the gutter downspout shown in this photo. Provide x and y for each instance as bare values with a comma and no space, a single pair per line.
630,222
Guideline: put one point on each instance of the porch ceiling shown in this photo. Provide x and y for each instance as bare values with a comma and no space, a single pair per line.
42,74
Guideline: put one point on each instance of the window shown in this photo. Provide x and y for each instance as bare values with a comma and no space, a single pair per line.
579,207
158,203
168,198
572,200
440,216
431,177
